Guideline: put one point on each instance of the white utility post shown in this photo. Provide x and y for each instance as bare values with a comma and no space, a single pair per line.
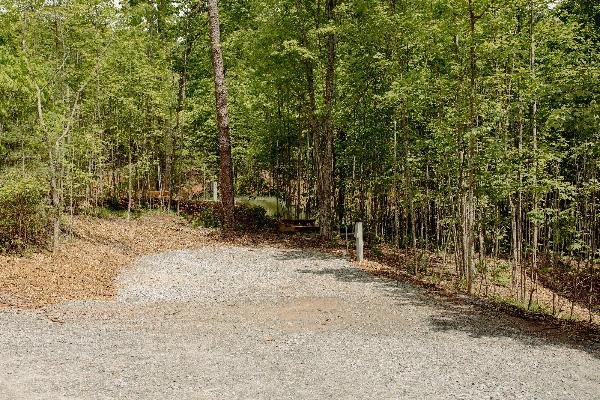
214,192
347,245
358,234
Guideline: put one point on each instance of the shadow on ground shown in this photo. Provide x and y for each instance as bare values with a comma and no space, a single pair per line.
291,255
472,316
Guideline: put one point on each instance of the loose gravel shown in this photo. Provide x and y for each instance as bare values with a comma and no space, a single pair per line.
242,323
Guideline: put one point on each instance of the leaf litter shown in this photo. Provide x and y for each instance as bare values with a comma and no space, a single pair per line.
86,264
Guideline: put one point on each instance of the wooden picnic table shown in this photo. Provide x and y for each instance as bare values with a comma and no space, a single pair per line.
297,226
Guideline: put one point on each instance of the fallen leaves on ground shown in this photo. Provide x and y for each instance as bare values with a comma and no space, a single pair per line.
86,264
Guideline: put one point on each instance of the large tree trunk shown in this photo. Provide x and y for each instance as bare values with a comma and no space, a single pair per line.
310,112
226,167
536,227
469,212
326,165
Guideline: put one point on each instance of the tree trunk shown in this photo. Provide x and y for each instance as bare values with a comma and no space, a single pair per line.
341,204
129,181
54,192
314,134
408,184
326,166
536,228
470,200
226,167
519,213
396,190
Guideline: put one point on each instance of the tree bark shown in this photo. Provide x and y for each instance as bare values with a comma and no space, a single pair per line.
536,228
408,184
54,193
469,239
176,136
224,140
310,111
326,166
129,181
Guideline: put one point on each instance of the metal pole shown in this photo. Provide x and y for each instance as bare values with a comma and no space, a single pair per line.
358,234
347,246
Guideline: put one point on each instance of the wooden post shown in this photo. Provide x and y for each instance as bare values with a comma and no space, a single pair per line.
214,192
358,234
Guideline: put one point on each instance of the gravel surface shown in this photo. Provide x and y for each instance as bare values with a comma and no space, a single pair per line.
227,322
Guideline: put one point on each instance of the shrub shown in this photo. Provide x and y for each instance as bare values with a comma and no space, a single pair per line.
202,213
252,217
210,215
23,211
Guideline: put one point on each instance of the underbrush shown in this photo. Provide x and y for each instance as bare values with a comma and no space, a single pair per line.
209,214
110,212
568,297
23,212
577,281
206,214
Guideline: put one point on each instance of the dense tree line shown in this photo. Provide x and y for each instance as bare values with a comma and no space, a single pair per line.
468,126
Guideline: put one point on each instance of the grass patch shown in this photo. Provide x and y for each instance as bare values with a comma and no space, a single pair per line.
377,251
535,307
109,212
501,275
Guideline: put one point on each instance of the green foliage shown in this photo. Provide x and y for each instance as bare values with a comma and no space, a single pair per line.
206,214
431,114
209,214
23,211
501,274
376,251
250,217
110,211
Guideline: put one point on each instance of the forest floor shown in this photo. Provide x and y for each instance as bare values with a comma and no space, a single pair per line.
93,255
95,252
154,308
438,271
89,260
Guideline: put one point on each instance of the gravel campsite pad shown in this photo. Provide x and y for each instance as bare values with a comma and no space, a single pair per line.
232,322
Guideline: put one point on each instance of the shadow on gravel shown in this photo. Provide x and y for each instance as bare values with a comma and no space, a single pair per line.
291,255
476,318
345,274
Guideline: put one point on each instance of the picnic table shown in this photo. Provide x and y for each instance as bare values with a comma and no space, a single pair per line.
297,226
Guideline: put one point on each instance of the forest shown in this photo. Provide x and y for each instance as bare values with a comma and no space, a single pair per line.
464,127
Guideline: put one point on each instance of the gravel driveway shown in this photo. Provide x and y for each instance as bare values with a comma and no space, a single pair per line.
228,322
